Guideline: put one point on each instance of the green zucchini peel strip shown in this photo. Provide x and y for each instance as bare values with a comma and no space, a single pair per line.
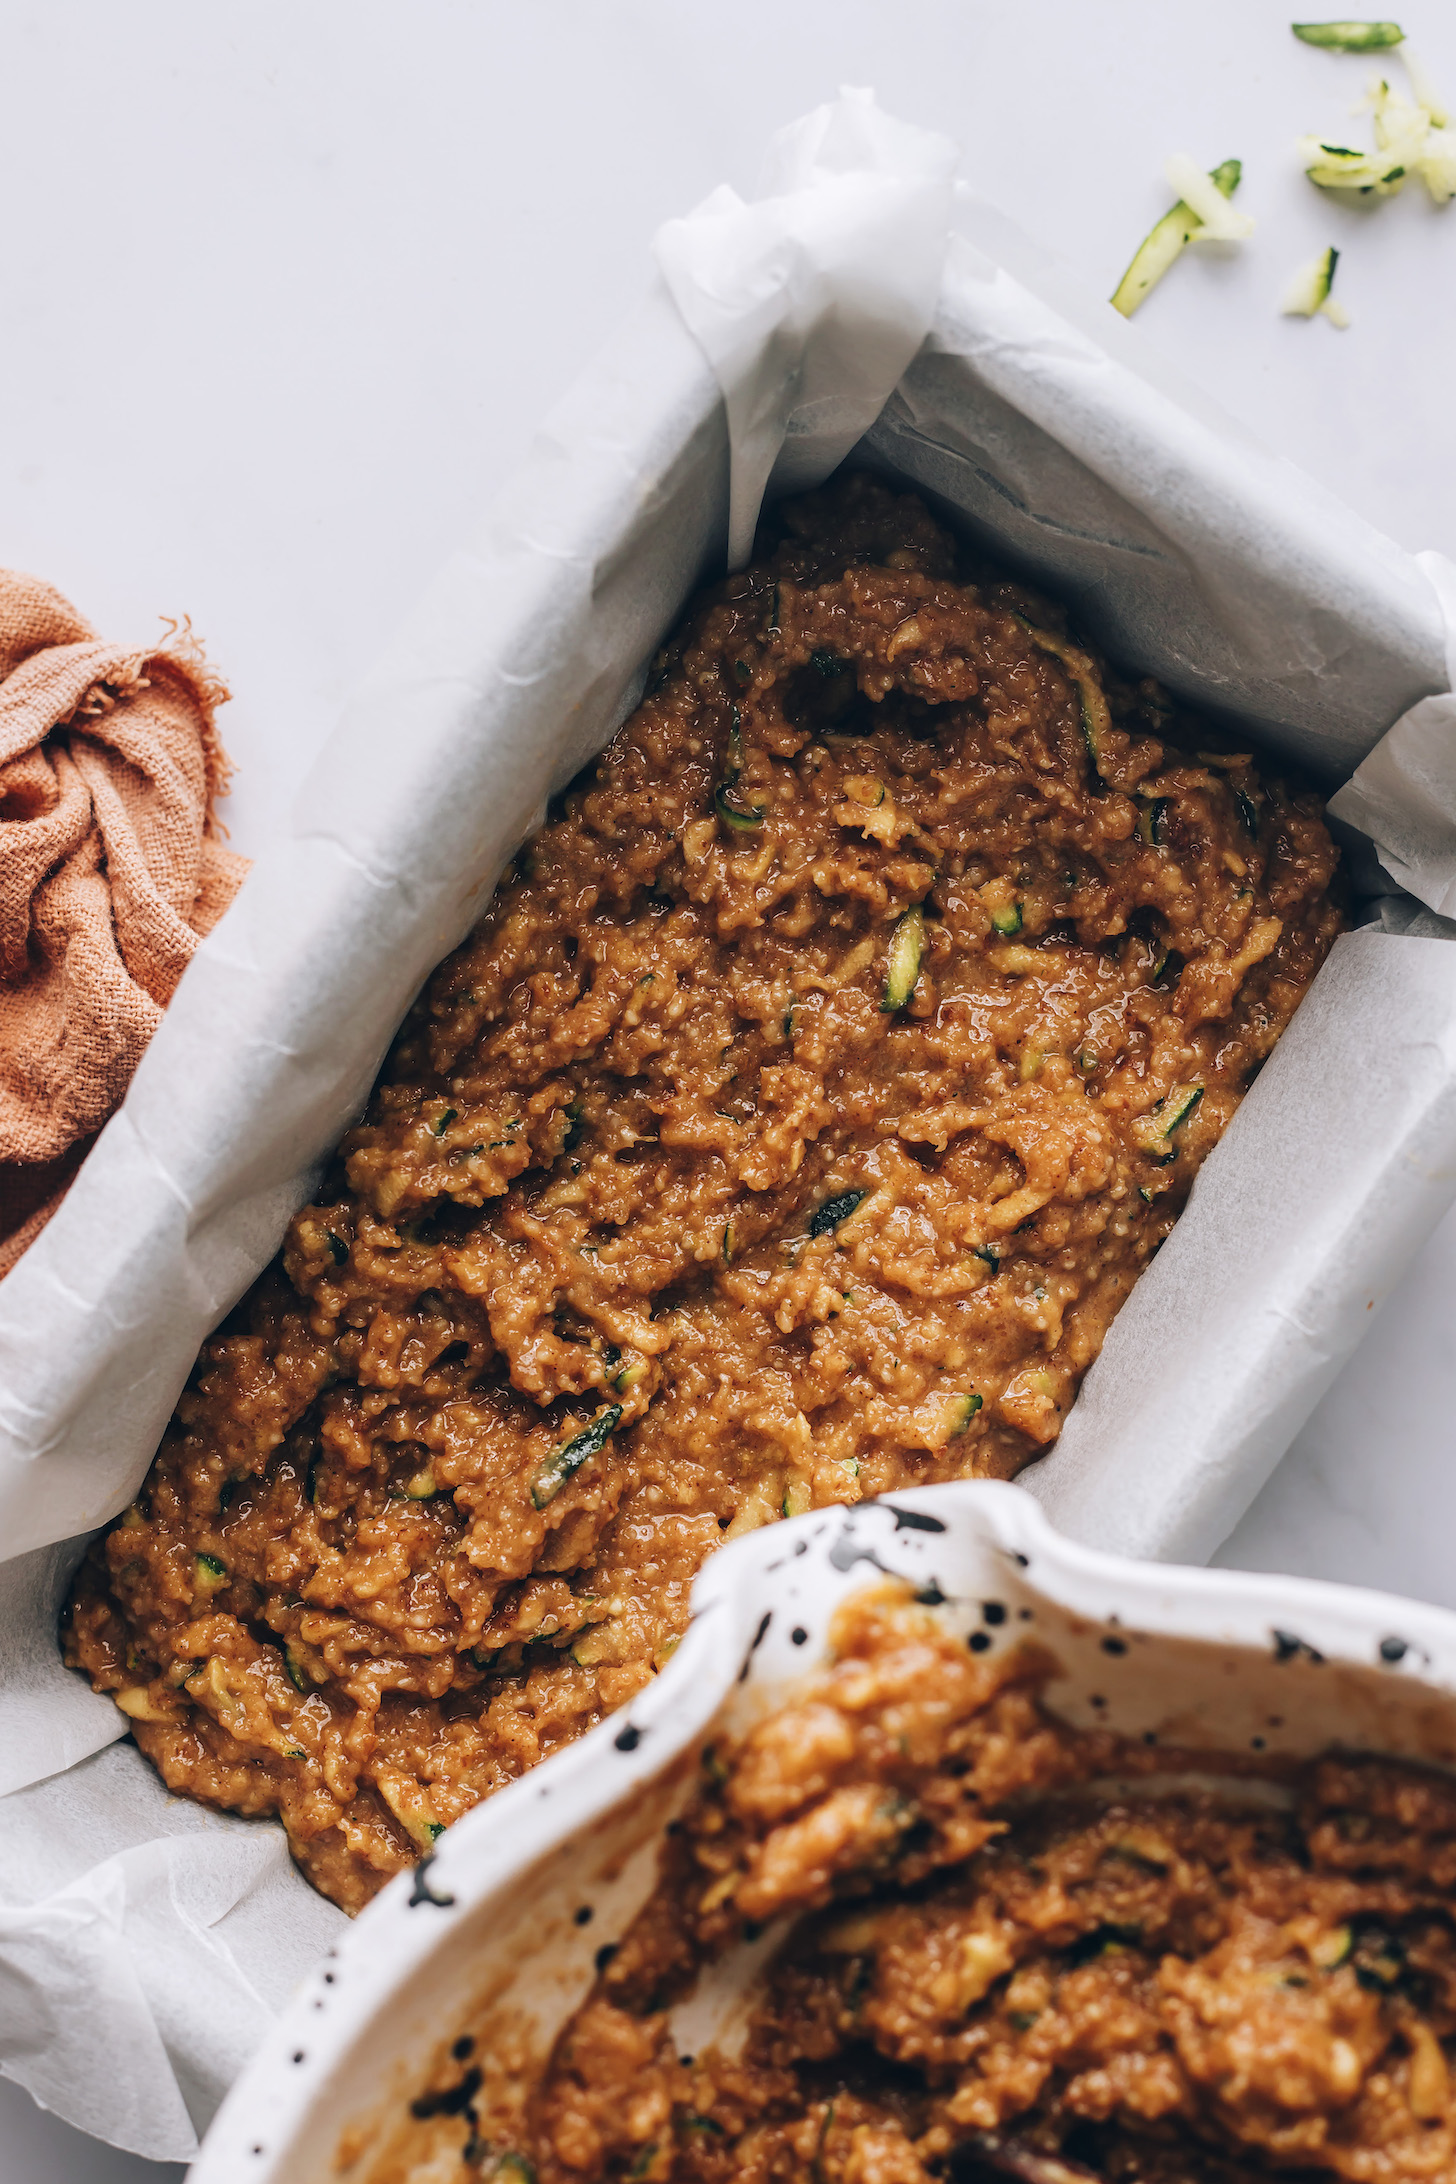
1167,241
572,1454
826,1218
907,948
1350,37
1308,294
1153,1134
735,815
959,1412
1096,719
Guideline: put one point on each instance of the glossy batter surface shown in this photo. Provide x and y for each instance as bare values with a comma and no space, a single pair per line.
992,1975
816,1087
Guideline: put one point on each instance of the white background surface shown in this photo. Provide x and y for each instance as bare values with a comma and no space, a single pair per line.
289,283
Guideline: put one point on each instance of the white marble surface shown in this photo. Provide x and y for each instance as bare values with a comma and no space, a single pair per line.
293,285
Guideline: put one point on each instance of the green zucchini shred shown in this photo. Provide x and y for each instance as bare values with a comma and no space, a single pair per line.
1348,37
1153,822
907,949
964,1407
572,1453
989,1256
1183,1107
444,1122
742,821
827,1218
1335,1949
1007,921
733,815
1154,1132
214,1569
295,1673
1167,241
1096,719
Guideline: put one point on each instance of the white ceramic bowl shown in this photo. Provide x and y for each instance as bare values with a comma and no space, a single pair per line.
501,1926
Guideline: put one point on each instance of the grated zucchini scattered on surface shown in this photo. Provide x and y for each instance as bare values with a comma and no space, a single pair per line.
1308,294
1350,37
1412,137
1167,241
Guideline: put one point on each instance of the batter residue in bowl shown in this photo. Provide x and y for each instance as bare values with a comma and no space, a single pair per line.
996,1974
815,1089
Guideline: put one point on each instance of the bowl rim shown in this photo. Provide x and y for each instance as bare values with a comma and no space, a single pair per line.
498,1843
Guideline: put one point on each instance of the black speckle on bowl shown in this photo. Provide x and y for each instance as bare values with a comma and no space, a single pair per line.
583,1915
1394,1649
464,2047
978,1641
913,1520
993,1611
628,1739
605,1955
1288,1646
798,1635
420,1889
1114,1645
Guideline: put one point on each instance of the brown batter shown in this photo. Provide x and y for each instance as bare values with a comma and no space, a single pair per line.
815,1089
999,1976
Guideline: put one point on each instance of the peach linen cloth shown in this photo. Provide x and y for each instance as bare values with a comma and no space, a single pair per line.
111,870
